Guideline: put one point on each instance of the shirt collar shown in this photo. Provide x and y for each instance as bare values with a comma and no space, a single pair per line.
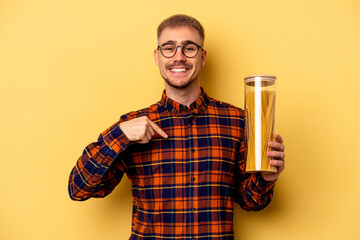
199,106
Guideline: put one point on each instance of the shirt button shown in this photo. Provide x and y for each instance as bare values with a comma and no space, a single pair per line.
193,150
193,209
193,179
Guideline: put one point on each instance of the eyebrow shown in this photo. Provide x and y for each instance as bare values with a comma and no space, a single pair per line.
182,42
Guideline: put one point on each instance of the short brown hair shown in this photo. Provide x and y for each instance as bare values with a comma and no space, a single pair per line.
181,20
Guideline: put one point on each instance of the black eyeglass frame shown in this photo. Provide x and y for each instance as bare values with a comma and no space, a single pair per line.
182,48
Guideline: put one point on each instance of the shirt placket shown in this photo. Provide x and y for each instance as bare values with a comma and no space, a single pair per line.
191,217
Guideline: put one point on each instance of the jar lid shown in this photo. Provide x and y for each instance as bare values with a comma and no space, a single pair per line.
269,79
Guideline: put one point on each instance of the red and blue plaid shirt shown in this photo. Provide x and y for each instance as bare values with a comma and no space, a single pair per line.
184,186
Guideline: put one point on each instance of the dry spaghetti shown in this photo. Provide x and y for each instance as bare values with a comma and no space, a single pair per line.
260,117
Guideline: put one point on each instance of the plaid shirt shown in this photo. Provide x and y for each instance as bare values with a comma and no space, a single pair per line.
184,186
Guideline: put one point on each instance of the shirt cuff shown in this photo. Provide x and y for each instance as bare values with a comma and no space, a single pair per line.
262,183
116,140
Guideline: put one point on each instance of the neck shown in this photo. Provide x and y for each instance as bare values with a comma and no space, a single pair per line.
184,96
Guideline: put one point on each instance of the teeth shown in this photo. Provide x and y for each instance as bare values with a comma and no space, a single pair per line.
178,69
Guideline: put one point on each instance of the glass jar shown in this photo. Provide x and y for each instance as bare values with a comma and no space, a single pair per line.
260,121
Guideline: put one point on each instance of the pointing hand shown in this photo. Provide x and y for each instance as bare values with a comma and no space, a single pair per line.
141,129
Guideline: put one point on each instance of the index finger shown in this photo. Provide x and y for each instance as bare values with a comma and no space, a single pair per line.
158,129
278,138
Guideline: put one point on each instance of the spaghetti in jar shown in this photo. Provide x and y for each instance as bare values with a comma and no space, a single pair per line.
260,121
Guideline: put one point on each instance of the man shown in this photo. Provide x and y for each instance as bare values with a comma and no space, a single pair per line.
185,155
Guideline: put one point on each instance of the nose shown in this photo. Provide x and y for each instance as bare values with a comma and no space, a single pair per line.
179,56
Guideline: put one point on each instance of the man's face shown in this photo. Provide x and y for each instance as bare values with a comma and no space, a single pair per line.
180,71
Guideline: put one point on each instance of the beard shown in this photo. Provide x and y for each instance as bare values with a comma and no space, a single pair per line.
182,86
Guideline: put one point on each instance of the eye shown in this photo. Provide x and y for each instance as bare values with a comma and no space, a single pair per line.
168,47
190,47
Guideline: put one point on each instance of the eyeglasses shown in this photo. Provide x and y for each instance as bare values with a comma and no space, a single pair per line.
189,49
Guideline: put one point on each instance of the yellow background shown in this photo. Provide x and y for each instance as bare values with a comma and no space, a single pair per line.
69,69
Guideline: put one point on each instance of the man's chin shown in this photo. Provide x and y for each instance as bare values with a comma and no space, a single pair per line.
180,85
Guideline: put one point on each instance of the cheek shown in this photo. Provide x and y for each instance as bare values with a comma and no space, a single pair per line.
162,69
197,66
161,65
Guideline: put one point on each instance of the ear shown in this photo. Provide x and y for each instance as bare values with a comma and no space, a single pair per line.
156,57
203,57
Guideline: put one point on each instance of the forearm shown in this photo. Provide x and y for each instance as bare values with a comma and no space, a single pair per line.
93,174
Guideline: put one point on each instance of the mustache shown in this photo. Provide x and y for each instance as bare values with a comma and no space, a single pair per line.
186,65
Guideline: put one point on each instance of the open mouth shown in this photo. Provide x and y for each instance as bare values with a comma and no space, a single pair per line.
178,70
